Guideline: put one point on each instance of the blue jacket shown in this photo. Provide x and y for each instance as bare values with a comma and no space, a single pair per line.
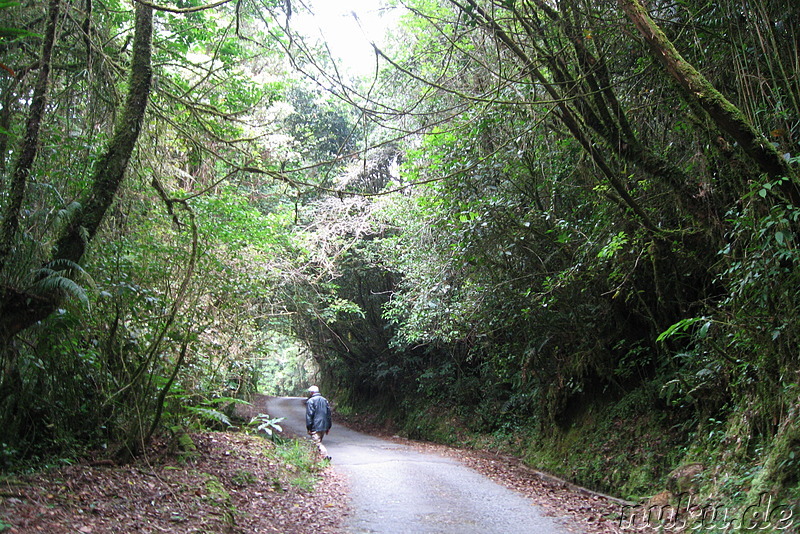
318,414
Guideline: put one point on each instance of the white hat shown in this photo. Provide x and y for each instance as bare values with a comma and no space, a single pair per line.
313,389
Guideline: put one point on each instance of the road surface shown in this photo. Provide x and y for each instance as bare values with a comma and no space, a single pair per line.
395,489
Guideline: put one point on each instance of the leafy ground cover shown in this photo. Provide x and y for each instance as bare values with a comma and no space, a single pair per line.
233,483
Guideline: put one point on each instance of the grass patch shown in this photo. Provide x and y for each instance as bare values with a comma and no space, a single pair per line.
300,461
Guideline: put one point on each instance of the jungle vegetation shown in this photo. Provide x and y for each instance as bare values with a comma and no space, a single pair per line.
562,228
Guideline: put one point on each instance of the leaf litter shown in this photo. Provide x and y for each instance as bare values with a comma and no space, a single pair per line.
235,484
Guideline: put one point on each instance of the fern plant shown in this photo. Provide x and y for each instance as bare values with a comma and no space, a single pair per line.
210,414
58,278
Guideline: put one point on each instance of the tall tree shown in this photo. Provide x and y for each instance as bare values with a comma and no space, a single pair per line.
19,310
30,145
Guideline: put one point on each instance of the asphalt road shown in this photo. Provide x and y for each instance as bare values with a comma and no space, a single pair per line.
395,489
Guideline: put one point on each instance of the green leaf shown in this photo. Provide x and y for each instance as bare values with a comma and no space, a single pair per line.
210,414
613,246
704,330
268,425
682,326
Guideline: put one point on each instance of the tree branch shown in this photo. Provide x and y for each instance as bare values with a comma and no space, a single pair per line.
181,10
697,88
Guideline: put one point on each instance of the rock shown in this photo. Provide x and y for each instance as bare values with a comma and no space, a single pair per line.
683,479
660,500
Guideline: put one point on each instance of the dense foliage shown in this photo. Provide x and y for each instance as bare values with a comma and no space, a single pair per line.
596,214
573,229
123,303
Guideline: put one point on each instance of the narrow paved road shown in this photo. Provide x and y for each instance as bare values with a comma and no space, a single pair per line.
395,489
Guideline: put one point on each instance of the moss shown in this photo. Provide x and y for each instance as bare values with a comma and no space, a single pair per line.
620,447
217,495
425,419
215,492
183,443
781,473
242,478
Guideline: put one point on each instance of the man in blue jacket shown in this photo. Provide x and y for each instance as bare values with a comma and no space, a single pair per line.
318,419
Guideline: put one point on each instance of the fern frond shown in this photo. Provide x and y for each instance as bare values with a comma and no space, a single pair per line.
62,264
54,283
67,269
67,214
210,414
58,278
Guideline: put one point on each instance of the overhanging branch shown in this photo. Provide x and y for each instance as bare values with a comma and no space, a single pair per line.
182,10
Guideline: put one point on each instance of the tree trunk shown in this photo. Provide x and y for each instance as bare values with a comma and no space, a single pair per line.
30,145
698,90
110,169
19,310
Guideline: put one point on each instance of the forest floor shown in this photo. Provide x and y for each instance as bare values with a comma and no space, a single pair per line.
237,483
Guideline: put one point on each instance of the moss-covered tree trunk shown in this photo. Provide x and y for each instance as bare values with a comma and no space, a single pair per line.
19,310
699,92
30,143
110,170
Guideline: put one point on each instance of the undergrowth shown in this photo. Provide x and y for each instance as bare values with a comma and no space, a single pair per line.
300,462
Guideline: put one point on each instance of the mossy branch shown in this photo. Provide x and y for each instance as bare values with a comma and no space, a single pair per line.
699,91
18,310
110,169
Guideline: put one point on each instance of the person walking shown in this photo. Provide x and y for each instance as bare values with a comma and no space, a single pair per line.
318,419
